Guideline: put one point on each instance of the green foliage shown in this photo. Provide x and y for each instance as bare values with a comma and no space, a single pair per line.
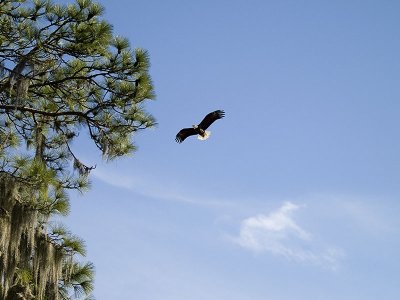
62,73
80,281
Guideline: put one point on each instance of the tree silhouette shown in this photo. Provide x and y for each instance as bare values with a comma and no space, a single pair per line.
62,72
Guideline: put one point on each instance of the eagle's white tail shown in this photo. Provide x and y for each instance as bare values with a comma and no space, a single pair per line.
206,136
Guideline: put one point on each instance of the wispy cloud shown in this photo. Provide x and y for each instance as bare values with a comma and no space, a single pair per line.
153,188
278,233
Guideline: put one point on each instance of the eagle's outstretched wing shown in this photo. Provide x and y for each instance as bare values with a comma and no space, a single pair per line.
210,118
184,133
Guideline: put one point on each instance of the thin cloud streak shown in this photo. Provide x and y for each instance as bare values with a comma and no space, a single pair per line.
151,189
278,233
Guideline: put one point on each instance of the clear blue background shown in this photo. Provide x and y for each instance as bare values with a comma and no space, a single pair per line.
311,93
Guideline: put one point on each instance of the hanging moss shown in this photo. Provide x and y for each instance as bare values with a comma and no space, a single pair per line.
25,245
47,263
18,223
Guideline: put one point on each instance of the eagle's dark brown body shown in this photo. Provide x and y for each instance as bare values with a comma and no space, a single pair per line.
201,128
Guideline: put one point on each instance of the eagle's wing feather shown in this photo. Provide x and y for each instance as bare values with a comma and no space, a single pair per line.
184,133
211,118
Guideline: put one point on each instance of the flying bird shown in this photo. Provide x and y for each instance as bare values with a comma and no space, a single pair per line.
200,129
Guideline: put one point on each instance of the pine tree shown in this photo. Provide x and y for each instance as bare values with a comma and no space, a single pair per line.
62,72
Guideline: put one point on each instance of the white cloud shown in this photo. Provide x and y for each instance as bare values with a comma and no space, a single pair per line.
278,233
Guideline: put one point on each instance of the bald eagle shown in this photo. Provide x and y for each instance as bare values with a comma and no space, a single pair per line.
200,129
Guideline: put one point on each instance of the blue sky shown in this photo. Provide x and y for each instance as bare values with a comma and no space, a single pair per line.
296,193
